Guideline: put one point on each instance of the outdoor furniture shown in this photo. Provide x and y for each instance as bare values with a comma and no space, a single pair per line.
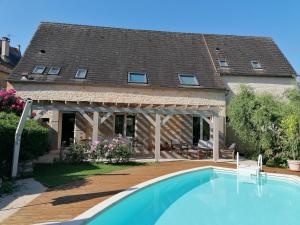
206,146
231,151
178,146
196,153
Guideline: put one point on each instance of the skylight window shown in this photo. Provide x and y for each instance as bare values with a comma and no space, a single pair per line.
54,71
223,63
39,69
256,65
140,78
81,74
188,79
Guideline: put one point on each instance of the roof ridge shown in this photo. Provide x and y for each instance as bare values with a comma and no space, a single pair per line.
150,30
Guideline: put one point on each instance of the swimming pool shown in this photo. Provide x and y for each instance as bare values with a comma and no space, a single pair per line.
208,197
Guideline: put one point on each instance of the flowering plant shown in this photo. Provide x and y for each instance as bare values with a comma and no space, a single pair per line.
115,150
9,102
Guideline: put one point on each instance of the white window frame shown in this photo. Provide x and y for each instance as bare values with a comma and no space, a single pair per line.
39,68
78,72
137,73
188,75
54,68
225,61
255,62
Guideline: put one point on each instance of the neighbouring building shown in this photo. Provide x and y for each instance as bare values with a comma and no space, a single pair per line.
153,86
10,57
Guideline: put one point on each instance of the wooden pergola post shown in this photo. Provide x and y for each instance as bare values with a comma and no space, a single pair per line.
95,126
157,136
201,128
215,138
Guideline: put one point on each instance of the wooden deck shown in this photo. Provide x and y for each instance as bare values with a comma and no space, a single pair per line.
68,201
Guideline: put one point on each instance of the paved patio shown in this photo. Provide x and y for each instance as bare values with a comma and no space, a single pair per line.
68,201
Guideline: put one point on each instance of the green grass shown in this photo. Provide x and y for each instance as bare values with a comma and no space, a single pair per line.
55,174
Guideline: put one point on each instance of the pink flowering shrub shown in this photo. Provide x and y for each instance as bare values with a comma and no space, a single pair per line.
114,150
9,102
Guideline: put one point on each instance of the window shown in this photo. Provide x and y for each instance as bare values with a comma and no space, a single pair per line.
39,69
188,79
54,71
125,125
223,63
140,78
81,74
256,65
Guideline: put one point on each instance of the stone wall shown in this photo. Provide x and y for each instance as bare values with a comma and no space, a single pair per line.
134,94
178,127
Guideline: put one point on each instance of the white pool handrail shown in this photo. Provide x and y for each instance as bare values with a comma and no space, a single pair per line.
260,162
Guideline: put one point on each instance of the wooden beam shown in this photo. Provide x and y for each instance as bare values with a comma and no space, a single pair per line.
39,114
95,126
165,120
216,138
105,117
86,116
149,119
157,137
88,108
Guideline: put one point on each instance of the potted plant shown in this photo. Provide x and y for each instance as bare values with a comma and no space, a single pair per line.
292,130
294,162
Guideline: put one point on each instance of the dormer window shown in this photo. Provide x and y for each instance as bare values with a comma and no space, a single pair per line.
138,78
256,65
81,74
188,80
39,69
223,63
54,71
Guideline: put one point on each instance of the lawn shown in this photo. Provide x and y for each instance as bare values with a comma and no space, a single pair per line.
55,174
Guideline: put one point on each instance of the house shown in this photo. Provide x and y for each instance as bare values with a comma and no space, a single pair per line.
10,57
152,86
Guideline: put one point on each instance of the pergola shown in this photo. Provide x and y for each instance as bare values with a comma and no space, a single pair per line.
162,112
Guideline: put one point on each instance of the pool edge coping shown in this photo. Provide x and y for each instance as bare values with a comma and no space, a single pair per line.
96,209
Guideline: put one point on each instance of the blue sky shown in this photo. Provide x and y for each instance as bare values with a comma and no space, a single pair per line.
277,18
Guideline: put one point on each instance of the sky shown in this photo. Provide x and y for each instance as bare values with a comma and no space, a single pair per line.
279,19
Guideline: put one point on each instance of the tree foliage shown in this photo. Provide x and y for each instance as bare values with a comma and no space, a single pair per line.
268,125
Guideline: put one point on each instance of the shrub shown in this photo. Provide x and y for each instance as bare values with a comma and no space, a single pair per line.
34,141
270,126
114,150
78,152
9,102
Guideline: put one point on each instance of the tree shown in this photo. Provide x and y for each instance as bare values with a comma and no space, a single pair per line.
255,119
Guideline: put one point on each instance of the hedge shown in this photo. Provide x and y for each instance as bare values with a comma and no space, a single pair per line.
34,142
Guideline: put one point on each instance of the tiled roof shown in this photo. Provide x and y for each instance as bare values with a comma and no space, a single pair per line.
239,51
110,53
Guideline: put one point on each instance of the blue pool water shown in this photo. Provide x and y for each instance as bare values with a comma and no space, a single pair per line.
207,197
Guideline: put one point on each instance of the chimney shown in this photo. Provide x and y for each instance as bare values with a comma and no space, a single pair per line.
5,47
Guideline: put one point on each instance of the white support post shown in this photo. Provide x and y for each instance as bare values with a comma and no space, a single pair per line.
201,128
18,134
95,126
215,138
157,136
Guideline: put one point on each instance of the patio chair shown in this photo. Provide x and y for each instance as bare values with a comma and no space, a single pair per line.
231,150
206,146
179,146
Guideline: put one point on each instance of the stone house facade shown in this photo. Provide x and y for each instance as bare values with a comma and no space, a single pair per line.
150,85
